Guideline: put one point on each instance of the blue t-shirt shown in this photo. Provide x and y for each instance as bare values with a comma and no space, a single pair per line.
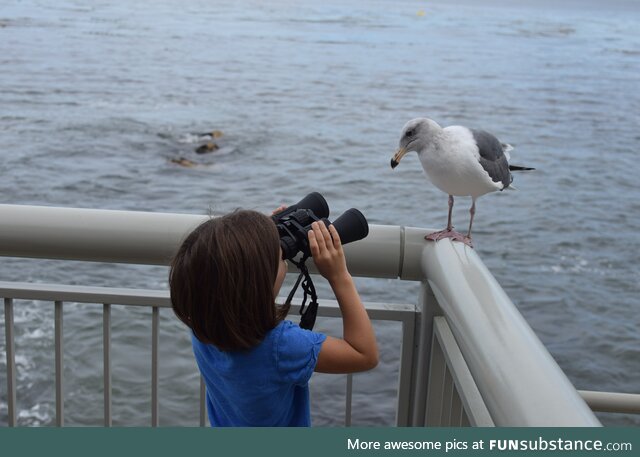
265,386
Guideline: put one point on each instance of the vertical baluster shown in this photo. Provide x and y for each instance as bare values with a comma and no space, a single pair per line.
464,420
436,385
429,309
203,408
348,398
59,364
106,360
403,409
155,420
11,361
447,395
456,408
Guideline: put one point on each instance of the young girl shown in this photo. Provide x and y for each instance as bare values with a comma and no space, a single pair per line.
256,365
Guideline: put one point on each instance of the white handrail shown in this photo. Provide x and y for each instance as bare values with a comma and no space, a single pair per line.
151,238
90,234
519,381
612,402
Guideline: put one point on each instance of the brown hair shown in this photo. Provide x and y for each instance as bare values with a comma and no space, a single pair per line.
221,280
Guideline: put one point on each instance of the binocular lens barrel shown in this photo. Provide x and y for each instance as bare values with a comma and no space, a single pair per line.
351,226
315,202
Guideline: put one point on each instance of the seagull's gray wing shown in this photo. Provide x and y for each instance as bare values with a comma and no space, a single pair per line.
492,157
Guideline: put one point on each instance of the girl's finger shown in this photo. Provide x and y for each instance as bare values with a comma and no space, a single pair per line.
336,237
325,234
278,210
319,237
313,244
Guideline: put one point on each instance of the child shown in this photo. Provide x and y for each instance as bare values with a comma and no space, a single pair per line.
256,365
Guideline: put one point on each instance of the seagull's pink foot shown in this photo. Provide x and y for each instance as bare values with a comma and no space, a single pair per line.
452,234
446,233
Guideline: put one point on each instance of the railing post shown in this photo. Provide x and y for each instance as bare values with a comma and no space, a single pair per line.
203,405
410,340
59,364
422,356
348,400
155,418
436,386
106,360
11,362
457,408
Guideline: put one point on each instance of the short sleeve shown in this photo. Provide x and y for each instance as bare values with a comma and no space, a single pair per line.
297,352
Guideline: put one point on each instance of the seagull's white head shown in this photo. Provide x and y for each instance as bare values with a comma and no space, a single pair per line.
417,135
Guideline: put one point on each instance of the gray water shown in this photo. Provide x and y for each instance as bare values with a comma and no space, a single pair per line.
97,98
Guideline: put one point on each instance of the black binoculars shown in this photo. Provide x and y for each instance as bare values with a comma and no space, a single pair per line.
295,222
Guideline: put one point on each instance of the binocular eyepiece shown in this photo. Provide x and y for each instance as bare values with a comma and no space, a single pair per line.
294,224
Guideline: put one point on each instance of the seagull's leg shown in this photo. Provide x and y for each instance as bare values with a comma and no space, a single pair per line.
472,212
448,232
449,223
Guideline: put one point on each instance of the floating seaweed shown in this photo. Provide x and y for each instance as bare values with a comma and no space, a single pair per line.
205,144
214,134
183,162
207,147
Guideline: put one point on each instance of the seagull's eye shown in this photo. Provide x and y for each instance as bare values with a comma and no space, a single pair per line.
409,133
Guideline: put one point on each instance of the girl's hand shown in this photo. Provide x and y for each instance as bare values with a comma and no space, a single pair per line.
357,349
327,252
279,209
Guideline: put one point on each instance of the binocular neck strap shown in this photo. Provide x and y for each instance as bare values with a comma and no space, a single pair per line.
308,315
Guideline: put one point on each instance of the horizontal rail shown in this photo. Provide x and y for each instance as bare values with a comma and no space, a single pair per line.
153,297
85,294
153,238
612,402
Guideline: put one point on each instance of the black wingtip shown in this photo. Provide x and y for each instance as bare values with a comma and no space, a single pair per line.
519,168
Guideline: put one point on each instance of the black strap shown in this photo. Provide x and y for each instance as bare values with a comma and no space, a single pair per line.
308,315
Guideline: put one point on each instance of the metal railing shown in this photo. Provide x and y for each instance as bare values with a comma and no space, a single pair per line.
464,320
448,376
154,299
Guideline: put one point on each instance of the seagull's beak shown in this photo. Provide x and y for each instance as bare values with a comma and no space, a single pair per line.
395,160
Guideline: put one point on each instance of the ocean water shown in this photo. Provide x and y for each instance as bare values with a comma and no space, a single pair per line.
97,100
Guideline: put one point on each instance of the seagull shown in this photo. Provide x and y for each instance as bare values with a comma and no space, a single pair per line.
459,161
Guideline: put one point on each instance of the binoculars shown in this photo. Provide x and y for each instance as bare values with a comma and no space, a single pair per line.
295,222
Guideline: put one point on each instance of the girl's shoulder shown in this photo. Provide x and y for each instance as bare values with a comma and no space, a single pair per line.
287,331
296,350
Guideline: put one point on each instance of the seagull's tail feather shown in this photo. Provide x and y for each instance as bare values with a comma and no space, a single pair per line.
519,168
506,148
